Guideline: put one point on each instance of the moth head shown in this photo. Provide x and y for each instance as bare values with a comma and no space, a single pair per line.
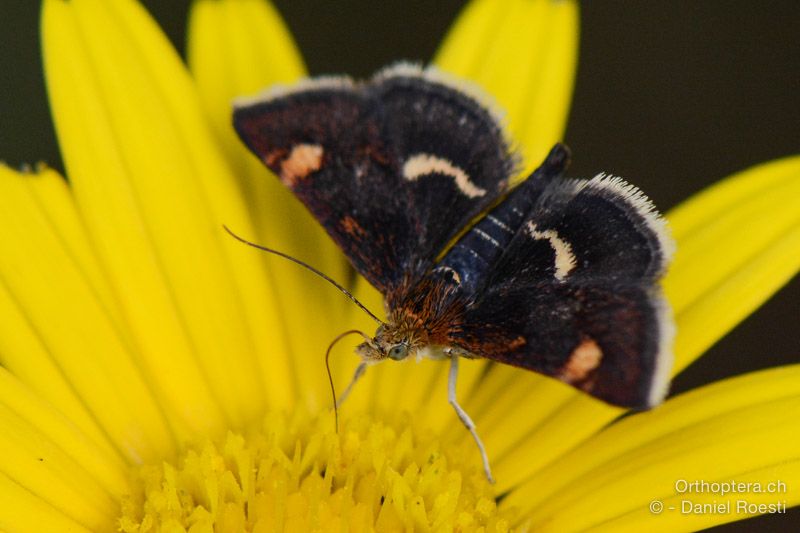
389,343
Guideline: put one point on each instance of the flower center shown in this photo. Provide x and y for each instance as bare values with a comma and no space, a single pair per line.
298,474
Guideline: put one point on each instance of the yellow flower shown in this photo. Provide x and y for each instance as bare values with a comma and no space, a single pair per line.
157,375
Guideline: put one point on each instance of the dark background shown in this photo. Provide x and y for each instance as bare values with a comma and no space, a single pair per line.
672,95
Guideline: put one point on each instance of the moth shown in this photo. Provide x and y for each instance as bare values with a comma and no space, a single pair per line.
410,174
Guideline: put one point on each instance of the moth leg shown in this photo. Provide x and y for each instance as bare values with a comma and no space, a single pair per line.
465,419
360,369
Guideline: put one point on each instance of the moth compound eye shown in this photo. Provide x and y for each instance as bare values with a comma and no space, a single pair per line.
398,352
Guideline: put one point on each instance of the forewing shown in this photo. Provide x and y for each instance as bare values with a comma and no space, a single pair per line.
392,168
322,139
562,278
454,159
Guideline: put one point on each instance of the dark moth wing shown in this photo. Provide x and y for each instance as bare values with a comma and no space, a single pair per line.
379,165
562,278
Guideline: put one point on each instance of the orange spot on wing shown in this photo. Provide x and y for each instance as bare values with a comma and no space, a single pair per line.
517,343
302,161
351,226
584,359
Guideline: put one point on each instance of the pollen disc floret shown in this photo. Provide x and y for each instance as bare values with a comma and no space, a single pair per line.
298,474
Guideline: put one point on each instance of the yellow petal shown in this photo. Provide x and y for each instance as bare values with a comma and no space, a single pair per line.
507,425
236,48
154,192
420,388
46,455
433,407
56,322
741,429
51,194
524,53
30,512
564,425
737,245
47,205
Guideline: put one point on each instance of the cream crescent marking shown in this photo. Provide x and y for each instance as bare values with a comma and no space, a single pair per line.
565,259
423,164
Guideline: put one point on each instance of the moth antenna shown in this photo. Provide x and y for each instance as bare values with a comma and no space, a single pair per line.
328,368
307,267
